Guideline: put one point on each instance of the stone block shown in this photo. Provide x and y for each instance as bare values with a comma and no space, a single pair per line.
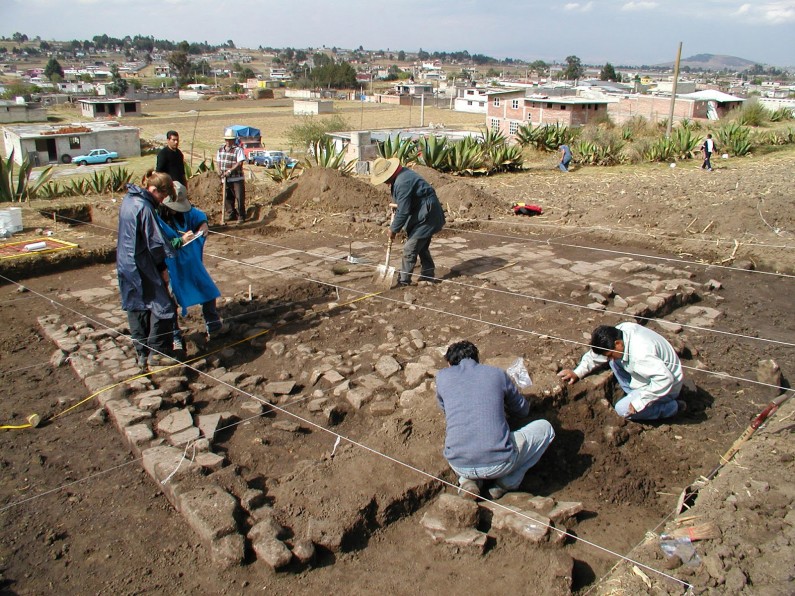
171,385
359,397
138,434
386,366
58,358
371,382
279,387
252,499
211,462
267,528
184,437
233,377
342,388
219,393
289,426
250,408
161,461
415,373
317,405
124,414
228,551
564,510
209,511
382,407
151,403
470,539
333,377
304,551
250,382
175,422
274,553
208,424
456,513
98,418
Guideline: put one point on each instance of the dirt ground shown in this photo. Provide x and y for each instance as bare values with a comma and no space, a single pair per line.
80,515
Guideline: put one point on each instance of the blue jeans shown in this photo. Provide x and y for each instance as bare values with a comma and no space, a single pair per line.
212,320
413,248
564,165
530,442
664,407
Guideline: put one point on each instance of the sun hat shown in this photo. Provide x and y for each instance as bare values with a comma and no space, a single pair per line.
383,169
229,134
181,203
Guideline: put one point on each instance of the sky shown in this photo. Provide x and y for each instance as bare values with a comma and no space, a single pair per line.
622,32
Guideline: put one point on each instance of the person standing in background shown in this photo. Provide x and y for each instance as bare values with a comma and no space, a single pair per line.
229,160
170,159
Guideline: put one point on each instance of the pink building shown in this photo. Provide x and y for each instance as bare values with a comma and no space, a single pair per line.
508,110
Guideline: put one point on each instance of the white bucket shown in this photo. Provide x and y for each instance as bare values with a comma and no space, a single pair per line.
16,219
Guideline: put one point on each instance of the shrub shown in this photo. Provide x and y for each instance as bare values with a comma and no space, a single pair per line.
734,138
782,115
751,114
312,129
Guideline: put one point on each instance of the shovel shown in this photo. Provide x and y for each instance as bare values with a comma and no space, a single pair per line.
384,274
223,199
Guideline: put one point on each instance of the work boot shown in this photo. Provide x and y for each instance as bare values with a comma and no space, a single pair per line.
497,491
681,406
469,489
140,361
160,361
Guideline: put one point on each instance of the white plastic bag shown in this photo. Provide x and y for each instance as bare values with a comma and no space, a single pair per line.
519,374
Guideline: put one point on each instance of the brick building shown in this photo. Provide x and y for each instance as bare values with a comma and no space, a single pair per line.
508,110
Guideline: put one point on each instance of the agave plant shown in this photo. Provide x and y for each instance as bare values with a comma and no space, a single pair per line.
206,165
663,149
684,141
735,138
433,152
526,135
782,115
505,158
78,187
281,173
404,149
492,138
322,154
51,190
119,178
20,187
466,157
98,182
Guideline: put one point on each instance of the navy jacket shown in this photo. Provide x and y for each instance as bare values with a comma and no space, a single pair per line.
141,253
419,212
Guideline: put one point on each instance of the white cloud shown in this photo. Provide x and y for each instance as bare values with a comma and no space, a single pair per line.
578,6
642,5
771,13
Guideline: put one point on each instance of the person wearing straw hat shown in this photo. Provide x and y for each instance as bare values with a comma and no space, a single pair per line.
186,228
644,364
418,212
479,444
141,253
229,160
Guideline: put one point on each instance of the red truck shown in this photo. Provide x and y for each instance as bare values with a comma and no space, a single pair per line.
248,139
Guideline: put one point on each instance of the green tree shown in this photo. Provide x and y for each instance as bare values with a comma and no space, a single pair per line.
539,66
119,84
608,73
401,56
180,62
53,68
574,69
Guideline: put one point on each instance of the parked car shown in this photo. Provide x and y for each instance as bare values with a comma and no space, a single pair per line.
95,156
270,159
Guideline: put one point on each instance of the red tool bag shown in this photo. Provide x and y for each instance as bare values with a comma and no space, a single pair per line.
526,209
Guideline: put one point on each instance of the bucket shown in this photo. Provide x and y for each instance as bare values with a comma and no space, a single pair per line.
16,219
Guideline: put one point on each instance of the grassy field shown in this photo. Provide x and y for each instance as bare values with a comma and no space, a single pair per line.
201,124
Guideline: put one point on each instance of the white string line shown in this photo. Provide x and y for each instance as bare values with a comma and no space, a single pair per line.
507,292
357,444
515,294
498,325
494,324
551,241
662,235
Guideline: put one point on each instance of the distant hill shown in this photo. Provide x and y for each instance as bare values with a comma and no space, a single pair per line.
714,62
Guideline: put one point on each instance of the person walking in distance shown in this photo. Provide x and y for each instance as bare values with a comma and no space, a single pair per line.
170,159
229,160
418,212
708,148
565,158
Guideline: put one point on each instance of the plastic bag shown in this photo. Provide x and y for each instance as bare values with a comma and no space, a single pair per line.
519,374
680,547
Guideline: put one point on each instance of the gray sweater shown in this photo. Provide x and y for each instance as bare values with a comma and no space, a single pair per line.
474,398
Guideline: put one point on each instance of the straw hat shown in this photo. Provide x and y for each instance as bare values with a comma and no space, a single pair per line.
181,203
229,133
383,169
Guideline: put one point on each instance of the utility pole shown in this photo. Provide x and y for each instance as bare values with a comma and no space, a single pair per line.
673,92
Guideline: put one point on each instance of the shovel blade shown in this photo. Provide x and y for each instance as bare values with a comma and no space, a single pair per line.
384,276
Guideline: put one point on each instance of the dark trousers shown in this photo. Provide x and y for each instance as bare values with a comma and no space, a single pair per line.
212,320
149,333
707,165
235,200
413,248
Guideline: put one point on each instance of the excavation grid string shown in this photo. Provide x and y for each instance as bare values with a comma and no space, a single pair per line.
338,437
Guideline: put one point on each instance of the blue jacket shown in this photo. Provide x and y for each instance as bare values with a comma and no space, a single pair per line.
474,398
141,253
419,212
190,281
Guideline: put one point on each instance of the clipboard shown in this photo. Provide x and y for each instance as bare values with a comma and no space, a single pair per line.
195,237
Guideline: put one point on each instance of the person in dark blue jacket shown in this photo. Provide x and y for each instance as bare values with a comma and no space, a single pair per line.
191,284
418,212
141,253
